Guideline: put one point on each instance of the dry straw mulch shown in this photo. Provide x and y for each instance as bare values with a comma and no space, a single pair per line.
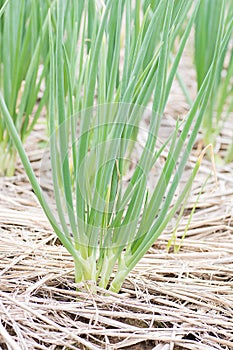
171,300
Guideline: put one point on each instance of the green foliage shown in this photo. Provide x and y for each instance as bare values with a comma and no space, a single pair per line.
22,45
105,65
220,105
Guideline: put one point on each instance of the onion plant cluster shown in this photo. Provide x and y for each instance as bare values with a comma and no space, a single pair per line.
220,105
22,49
107,60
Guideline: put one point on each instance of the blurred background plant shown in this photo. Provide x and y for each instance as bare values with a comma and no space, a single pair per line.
220,105
23,49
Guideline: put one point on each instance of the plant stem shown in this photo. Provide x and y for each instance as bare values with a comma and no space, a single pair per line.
7,161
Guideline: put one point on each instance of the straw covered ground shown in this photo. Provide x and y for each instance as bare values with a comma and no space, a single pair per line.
172,300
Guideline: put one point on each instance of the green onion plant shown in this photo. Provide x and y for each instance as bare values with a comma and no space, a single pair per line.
100,81
220,105
22,46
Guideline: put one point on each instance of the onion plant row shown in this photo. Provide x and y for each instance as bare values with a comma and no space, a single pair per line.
106,62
